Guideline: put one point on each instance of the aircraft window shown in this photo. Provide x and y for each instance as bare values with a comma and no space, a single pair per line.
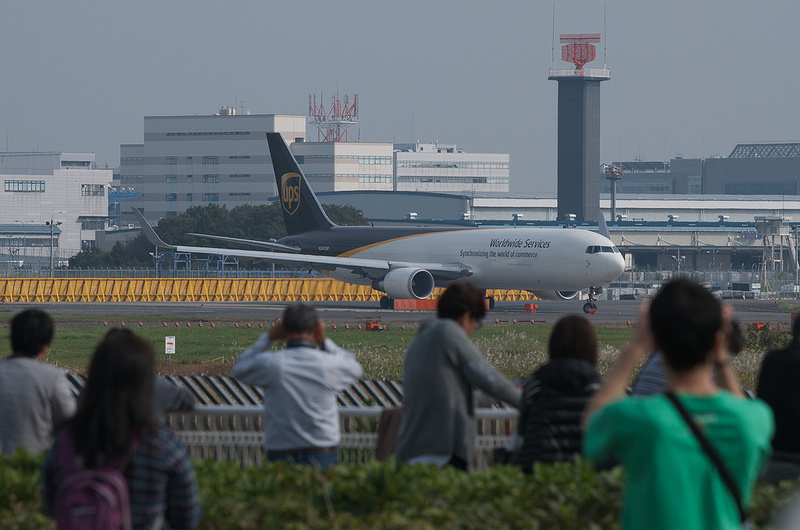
607,249
616,250
589,250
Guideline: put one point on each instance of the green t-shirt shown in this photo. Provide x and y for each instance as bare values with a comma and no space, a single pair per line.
671,483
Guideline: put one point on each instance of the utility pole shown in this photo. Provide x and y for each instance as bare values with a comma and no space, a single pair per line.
51,223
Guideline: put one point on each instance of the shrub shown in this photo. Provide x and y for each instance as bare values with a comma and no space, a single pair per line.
382,495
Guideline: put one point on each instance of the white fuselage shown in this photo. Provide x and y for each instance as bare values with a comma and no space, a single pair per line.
504,258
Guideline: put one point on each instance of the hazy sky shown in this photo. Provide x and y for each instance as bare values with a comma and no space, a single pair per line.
688,78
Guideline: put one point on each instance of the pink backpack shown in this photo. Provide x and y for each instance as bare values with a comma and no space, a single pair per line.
95,499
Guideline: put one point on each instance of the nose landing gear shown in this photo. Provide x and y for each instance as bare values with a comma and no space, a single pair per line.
591,305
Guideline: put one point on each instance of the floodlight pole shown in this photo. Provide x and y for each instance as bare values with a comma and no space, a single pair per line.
51,223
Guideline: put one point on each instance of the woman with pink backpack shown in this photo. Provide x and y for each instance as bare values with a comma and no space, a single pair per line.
113,465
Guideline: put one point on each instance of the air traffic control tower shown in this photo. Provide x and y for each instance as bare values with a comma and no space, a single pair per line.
579,128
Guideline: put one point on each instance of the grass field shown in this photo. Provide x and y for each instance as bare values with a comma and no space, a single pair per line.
514,349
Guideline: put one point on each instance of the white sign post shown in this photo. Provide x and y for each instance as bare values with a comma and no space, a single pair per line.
169,348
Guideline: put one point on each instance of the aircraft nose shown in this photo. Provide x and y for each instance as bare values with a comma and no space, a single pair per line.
615,266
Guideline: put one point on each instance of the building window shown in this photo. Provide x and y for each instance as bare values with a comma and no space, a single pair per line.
131,176
239,194
210,179
92,190
93,224
211,160
172,160
189,160
240,176
172,179
189,179
189,197
172,197
24,185
242,157
88,244
210,197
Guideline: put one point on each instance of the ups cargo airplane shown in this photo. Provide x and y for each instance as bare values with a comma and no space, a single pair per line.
408,262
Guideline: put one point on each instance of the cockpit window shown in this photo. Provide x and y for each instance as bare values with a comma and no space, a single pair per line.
595,249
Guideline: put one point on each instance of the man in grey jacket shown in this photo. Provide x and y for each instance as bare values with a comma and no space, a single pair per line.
442,367
34,397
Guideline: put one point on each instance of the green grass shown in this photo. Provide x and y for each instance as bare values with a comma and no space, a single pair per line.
514,349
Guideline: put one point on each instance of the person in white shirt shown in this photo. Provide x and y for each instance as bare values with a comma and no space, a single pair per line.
300,383
35,397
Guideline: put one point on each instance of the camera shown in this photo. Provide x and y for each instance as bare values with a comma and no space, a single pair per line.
735,339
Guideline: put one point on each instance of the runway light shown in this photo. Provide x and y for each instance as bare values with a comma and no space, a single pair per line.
212,324
248,324
176,324
514,321
260,325
188,324
359,327
347,327
105,323
236,325
140,324
629,322
334,326
122,324
531,321
165,324
200,324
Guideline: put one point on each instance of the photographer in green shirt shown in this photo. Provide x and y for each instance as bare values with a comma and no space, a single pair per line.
671,480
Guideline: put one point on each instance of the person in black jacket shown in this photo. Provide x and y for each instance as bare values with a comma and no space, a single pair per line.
554,396
777,385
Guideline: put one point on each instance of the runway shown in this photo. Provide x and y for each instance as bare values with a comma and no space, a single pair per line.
548,311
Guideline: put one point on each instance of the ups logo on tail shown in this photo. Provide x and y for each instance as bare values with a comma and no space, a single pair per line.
290,192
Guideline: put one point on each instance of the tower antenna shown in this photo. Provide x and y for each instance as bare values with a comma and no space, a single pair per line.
605,38
553,41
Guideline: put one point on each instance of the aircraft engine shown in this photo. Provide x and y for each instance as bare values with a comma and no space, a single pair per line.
555,295
407,283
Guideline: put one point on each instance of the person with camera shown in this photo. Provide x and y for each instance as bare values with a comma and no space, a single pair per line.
777,386
691,455
301,383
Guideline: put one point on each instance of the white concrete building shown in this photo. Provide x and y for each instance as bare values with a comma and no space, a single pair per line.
345,166
39,188
190,161
447,169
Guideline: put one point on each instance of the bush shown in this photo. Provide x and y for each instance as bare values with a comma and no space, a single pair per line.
382,495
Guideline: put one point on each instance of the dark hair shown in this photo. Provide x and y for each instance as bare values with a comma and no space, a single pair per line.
460,298
685,318
300,318
117,402
573,336
31,331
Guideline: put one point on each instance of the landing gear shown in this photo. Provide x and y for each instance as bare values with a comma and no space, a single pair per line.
591,306
387,303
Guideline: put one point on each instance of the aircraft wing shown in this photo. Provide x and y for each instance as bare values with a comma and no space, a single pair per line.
360,266
266,244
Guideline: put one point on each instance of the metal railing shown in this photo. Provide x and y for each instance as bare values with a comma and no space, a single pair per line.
237,433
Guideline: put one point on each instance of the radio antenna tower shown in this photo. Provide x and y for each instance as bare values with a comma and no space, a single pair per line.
332,124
